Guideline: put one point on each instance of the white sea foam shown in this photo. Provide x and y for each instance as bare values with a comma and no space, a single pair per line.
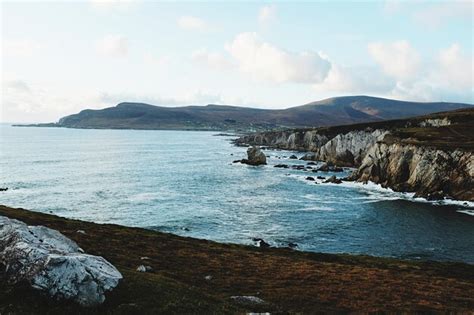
468,212
316,208
377,193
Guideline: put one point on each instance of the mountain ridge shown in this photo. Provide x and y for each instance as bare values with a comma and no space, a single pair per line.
326,112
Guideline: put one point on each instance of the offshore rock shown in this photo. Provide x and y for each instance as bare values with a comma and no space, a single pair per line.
255,156
334,180
54,264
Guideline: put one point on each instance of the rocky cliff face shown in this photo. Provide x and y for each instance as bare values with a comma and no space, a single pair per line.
430,172
432,156
345,149
349,149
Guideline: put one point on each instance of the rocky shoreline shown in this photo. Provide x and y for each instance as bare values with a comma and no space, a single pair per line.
432,156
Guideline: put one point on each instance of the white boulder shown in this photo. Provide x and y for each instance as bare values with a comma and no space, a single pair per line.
51,262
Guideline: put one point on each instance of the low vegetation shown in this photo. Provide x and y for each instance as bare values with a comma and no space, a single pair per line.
199,276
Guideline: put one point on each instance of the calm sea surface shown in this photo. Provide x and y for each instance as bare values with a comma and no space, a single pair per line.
184,182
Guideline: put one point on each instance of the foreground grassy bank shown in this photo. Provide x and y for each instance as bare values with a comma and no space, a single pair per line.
289,281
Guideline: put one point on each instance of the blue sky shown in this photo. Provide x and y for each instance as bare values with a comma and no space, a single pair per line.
60,57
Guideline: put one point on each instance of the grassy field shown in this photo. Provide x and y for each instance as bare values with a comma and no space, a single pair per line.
289,281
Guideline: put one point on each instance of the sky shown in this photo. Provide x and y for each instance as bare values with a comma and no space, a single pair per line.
60,57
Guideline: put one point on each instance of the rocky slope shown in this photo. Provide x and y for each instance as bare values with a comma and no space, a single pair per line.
430,155
332,111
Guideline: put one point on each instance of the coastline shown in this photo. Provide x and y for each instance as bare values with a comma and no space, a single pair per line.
431,156
178,284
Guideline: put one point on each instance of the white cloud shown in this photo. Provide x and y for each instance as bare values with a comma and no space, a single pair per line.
263,61
26,102
359,80
113,45
392,6
194,97
398,59
267,14
192,23
154,60
456,68
437,14
214,60
113,4
19,47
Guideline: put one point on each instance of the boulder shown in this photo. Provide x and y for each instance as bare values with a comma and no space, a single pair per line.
261,243
247,300
333,180
310,178
298,167
54,264
281,166
324,168
308,156
329,167
293,157
143,268
254,157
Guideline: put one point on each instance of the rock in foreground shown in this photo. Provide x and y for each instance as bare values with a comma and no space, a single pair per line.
54,264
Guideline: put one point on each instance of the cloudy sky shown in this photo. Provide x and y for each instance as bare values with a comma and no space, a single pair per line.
61,57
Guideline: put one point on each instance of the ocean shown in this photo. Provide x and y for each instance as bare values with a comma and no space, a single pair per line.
184,182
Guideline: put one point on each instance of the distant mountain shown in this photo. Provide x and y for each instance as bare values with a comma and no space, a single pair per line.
332,111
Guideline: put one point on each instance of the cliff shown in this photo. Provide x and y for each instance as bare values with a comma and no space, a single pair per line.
429,155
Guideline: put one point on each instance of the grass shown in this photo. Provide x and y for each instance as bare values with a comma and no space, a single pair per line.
289,281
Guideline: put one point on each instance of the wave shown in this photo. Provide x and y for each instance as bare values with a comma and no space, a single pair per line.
377,193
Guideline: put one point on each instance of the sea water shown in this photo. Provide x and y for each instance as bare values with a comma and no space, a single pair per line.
184,182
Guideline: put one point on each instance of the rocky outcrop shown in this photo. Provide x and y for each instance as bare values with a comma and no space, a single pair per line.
304,140
344,149
54,264
255,156
349,149
430,155
430,172
435,122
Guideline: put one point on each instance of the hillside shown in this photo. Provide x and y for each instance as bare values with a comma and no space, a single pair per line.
333,111
288,281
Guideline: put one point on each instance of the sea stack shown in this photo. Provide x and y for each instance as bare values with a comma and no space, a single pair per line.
255,156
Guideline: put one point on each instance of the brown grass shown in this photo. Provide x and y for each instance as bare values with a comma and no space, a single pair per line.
290,281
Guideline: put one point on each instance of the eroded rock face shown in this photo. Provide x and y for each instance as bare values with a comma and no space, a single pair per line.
52,263
255,156
384,157
424,170
343,149
309,140
350,148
